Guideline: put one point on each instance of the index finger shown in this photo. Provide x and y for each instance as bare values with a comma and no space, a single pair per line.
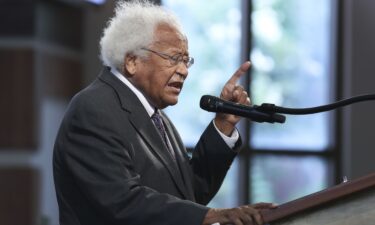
264,205
237,75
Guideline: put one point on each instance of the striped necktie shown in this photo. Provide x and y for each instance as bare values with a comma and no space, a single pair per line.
158,121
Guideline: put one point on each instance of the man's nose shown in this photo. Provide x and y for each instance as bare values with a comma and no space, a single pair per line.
182,69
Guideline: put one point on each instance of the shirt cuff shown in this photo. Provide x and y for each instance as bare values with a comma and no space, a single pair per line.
230,141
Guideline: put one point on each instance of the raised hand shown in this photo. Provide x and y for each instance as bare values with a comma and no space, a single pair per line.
234,93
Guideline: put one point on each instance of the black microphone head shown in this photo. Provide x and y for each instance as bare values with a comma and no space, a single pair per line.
208,103
215,104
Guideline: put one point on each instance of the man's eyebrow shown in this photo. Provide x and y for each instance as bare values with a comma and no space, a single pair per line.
179,51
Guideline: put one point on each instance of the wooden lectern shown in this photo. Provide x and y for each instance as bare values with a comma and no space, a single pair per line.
349,203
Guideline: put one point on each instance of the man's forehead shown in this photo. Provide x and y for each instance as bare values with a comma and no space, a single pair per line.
165,34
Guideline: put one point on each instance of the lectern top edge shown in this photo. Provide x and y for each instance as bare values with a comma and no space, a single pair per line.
318,198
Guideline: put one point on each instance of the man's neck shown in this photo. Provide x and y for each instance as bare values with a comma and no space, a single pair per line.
146,104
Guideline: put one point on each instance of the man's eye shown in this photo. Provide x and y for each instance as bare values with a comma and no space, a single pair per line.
177,57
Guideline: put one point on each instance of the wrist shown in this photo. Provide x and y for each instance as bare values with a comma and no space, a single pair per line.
210,217
224,126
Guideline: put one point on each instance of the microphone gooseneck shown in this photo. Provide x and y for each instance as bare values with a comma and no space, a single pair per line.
271,108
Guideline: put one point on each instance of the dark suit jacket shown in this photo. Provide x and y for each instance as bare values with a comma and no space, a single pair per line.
112,167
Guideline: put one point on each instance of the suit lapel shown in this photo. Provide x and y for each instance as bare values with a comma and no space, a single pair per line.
143,125
181,157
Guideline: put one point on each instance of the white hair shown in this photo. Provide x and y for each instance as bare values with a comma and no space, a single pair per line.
131,29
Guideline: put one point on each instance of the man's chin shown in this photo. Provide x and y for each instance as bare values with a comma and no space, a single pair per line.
169,102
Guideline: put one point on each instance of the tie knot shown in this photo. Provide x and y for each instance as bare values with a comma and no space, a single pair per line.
156,117
156,114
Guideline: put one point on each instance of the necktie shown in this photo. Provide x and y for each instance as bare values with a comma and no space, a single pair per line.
158,121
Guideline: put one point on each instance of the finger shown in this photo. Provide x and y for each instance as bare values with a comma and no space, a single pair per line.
244,99
236,222
238,92
233,93
237,75
247,219
254,214
258,218
227,92
265,205
244,215
248,101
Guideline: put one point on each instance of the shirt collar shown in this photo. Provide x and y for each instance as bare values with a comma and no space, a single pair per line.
149,108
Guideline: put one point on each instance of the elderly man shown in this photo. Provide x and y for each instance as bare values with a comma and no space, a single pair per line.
118,159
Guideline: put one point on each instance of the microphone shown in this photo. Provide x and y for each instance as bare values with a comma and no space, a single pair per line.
215,104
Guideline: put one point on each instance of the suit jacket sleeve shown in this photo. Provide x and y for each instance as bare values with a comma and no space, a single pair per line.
210,162
89,147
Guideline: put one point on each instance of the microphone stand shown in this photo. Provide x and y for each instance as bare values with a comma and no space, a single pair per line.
272,108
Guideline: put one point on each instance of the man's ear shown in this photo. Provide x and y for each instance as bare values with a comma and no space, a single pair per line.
130,65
